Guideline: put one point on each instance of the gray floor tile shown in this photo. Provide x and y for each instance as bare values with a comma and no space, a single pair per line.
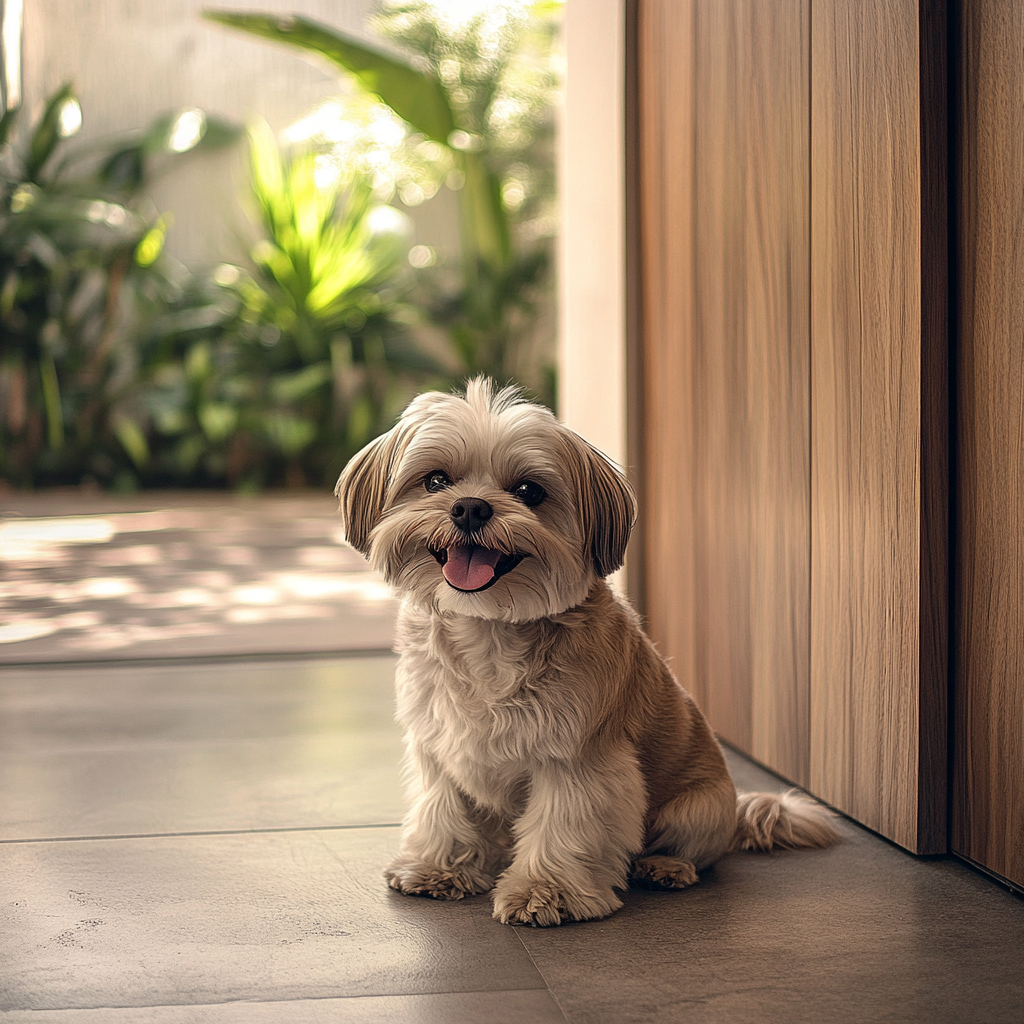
859,933
128,749
533,1006
298,926
211,919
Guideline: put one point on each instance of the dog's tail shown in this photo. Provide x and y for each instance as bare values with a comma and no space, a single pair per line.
765,821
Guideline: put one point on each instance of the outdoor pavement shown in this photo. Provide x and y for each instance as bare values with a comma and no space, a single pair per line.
86,577
194,822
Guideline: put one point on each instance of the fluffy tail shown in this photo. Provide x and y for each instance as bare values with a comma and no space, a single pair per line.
765,821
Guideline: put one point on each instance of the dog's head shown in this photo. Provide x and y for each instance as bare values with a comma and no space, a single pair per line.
486,505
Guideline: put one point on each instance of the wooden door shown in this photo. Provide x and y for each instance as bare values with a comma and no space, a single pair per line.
988,794
879,435
792,220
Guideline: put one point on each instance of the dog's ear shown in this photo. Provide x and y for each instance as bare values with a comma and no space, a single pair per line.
362,488
607,505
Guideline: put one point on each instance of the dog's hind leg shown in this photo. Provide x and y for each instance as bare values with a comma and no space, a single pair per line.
687,833
660,872
693,829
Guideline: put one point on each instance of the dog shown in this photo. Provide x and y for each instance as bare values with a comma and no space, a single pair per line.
551,755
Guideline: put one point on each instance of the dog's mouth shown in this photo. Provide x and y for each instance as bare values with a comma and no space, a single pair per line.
471,568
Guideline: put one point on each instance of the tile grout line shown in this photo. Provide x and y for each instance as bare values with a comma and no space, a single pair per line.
283,1001
164,660
206,832
540,974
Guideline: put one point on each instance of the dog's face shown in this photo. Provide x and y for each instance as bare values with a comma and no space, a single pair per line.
486,506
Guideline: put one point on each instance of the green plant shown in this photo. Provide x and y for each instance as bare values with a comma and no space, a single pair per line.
316,358
324,299
81,279
482,92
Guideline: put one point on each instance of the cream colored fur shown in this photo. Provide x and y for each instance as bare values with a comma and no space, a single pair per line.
551,755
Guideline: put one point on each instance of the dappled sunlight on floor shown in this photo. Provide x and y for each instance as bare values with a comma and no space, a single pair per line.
135,583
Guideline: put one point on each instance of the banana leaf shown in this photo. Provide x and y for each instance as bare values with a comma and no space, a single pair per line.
485,226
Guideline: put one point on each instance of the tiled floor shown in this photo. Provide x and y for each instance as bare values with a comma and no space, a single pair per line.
204,842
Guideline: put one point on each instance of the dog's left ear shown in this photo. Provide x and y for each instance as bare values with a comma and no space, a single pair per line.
362,488
607,505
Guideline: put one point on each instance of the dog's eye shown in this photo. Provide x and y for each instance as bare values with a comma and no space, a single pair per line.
529,493
437,480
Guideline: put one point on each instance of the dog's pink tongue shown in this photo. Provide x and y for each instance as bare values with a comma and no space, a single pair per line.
470,567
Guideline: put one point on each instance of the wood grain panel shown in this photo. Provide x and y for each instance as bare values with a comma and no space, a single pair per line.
724,173
988,800
776,333
878,589
665,81
723,463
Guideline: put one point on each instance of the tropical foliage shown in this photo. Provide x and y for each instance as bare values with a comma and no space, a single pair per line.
478,94
121,367
80,286
316,358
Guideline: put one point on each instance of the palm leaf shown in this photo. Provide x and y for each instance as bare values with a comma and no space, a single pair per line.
417,97
414,95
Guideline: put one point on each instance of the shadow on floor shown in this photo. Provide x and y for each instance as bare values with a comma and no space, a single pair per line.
101,577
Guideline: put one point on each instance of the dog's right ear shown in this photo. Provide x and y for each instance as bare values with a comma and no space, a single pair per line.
362,488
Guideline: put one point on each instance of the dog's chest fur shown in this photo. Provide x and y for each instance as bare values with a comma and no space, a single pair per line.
479,697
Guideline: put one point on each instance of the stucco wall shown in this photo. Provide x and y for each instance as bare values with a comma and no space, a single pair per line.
133,59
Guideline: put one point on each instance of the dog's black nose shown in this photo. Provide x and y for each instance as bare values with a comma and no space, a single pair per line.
469,514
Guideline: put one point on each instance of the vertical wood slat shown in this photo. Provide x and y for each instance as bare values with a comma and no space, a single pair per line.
878,454
777,337
724,166
803,602
988,792
723,458
665,42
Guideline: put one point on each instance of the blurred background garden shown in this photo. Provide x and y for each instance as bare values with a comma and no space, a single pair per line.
234,242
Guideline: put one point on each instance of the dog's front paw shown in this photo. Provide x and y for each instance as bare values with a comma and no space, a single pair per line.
663,872
419,879
519,900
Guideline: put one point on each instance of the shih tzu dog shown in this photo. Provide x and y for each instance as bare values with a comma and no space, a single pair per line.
552,756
